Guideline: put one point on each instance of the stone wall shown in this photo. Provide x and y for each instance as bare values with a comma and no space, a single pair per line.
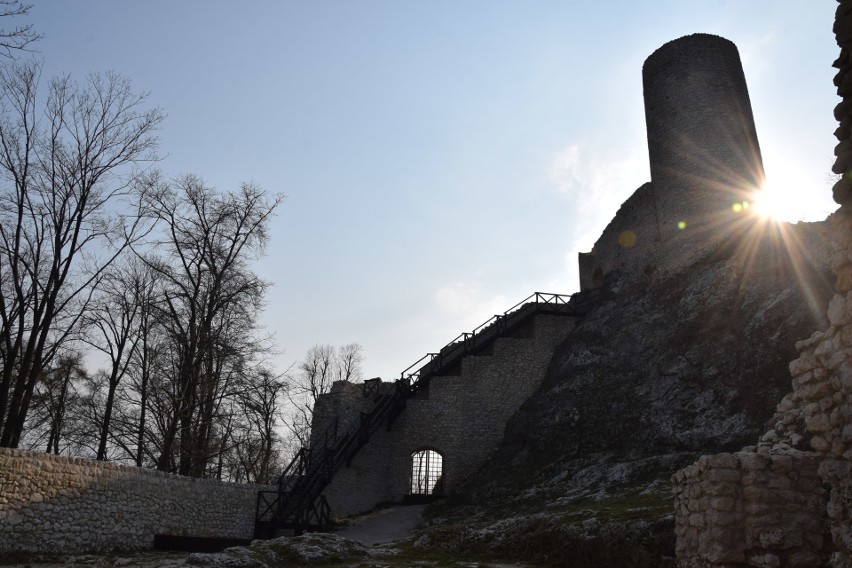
339,411
750,509
786,501
704,160
460,416
628,244
62,504
792,493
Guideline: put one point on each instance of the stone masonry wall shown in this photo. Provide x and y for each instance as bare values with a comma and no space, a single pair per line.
704,159
750,509
780,513
62,504
790,496
462,417
339,411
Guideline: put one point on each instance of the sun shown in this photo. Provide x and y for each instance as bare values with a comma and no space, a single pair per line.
778,203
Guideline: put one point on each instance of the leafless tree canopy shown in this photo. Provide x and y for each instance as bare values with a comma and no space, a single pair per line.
128,306
319,369
69,169
16,38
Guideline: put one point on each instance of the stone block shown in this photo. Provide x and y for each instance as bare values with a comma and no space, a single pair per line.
720,475
764,561
725,550
803,364
814,339
818,423
803,559
820,444
722,461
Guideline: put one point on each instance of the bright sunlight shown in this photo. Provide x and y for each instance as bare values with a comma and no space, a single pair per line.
791,199
775,203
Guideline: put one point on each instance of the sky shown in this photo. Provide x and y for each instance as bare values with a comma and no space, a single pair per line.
441,160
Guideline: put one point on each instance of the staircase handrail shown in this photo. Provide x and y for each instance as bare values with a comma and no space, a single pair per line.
302,481
466,337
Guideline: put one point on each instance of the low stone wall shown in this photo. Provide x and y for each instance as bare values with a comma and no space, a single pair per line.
54,503
750,509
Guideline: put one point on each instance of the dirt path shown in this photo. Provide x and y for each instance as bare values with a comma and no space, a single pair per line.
387,525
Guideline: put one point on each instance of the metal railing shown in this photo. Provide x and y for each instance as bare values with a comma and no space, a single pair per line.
468,341
298,500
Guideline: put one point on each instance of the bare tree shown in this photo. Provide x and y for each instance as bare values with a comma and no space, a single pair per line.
253,443
18,38
348,361
57,401
116,328
210,306
314,376
66,213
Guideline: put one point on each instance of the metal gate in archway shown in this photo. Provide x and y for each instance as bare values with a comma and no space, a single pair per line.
427,470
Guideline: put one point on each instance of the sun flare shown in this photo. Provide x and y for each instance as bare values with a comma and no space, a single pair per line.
778,203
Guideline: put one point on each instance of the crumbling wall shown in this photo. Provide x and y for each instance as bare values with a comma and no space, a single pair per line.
63,504
339,411
705,163
460,416
779,513
628,244
750,509
799,522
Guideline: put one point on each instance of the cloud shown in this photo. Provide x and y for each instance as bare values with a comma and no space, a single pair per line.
597,178
755,52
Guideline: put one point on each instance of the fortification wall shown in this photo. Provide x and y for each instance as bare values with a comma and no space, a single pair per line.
339,411
792,522
62,504
628,244
705,163
462,417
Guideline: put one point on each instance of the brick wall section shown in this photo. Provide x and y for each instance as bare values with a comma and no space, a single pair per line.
61,504
462,417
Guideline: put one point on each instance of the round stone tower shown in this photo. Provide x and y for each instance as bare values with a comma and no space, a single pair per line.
703,149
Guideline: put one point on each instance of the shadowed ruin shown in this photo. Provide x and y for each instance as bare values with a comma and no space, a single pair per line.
554,429
679,285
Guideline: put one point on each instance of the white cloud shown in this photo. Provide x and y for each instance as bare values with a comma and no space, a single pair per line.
755,53
598,179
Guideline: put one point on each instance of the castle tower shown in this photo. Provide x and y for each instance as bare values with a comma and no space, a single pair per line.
704,155
705,165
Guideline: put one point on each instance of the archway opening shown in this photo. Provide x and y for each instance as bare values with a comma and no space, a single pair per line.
427,471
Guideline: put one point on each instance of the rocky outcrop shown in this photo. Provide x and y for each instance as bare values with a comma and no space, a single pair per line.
791,495
660,372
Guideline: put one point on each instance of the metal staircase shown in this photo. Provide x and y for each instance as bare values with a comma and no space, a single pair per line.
298,504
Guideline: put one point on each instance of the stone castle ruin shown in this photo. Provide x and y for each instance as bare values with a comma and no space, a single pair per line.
460,415
704,157
787,501
705,168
